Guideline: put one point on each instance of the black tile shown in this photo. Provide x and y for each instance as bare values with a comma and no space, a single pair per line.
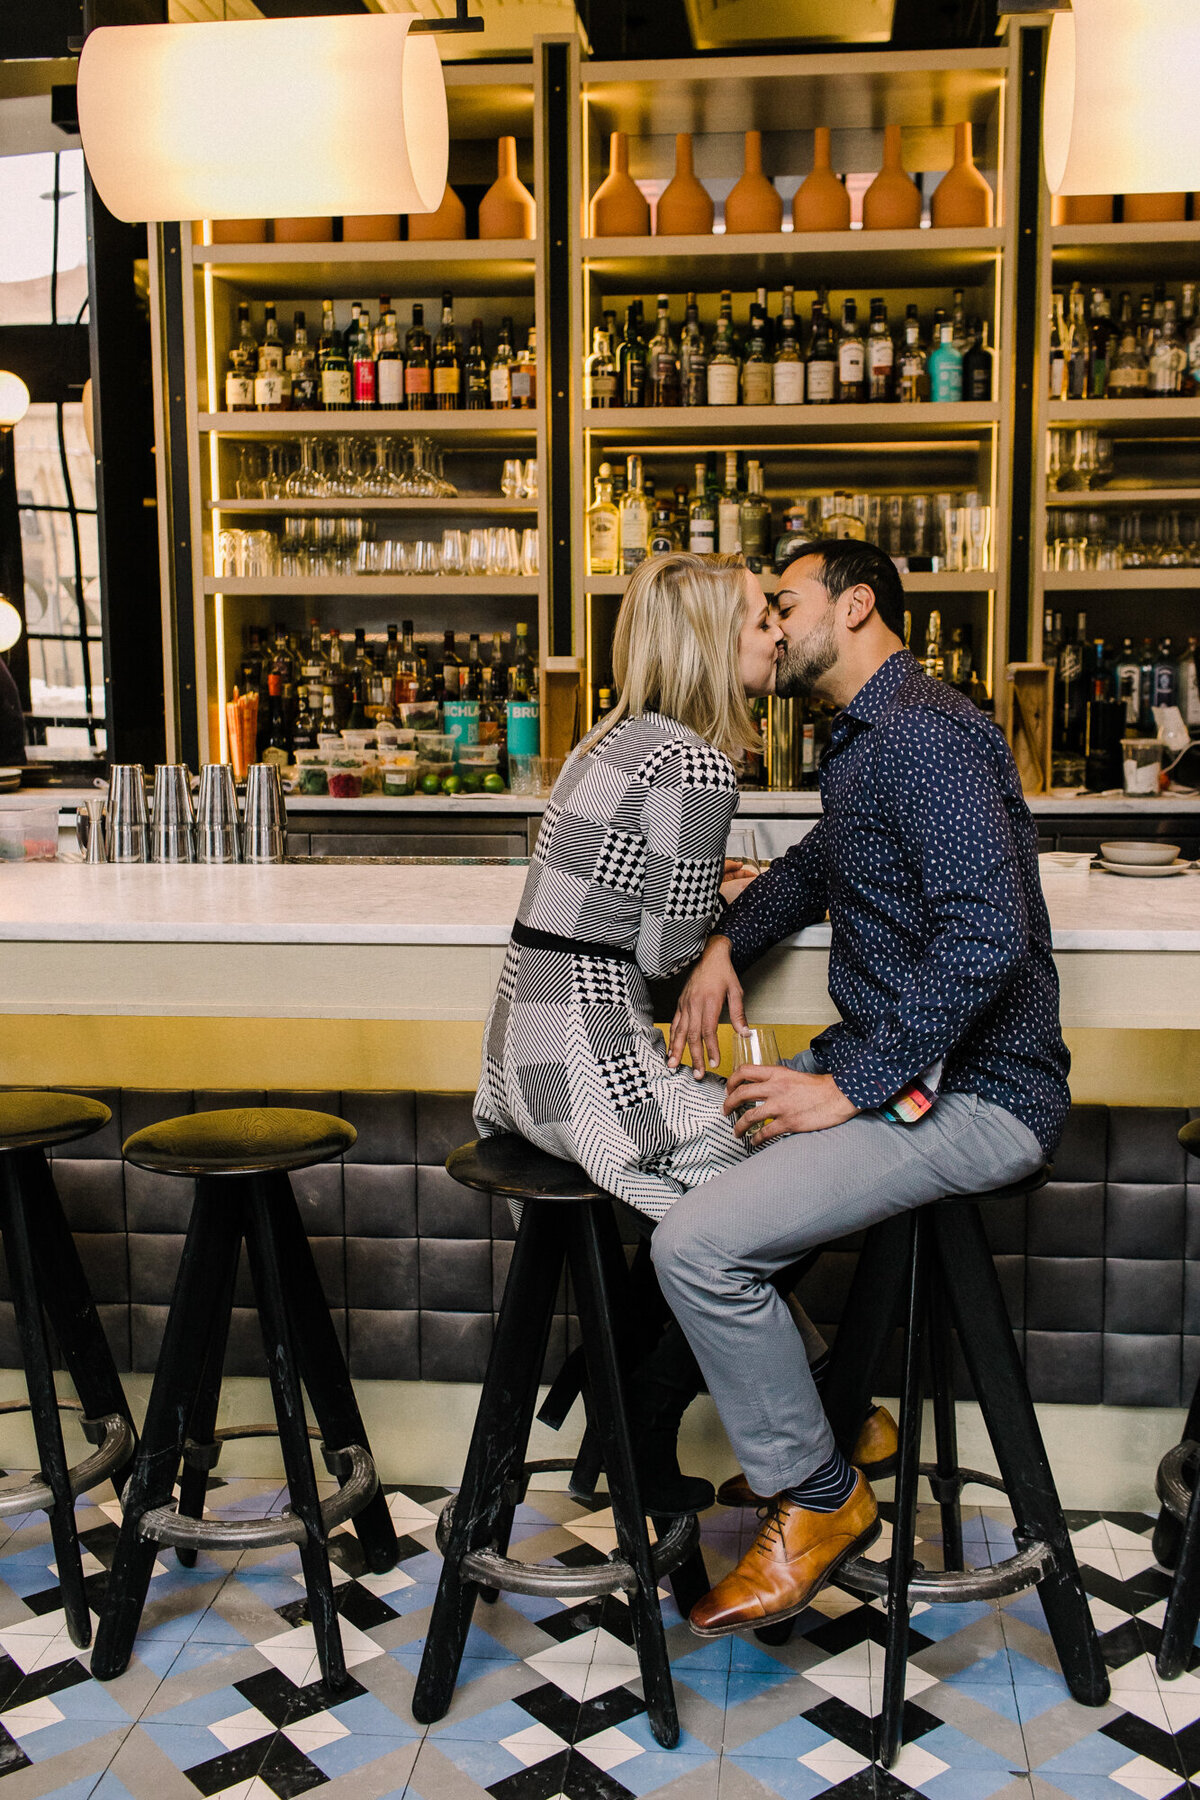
12,1757
281,1702
846,1724
1121,1645
539,1782
605,1611
1144,1739
552,1708
616,1707
287,1771
1187,1748
361,1607
222,1771
17,1689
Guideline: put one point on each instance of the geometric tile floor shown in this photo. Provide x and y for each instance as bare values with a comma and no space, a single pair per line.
222,1699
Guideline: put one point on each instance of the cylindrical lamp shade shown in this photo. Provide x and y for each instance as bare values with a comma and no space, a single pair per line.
10,624
14,399
264,118
1120,113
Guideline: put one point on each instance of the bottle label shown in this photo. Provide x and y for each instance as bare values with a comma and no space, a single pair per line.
239,393
524,728
789,383
600,390
500,385
602,543
701,536
729,534
722,384
417,379
389,382
522,383
881,356
461,720
947,379
850,361
335,387
364,382
756,384
820,380
268,391
635,528
447,381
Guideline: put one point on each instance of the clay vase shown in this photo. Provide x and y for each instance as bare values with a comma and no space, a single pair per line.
685,208
507,209
821,203
304,231
962,198
1155,209
753,203
449,221
893,200
234,231
371,228
619,208
1081,209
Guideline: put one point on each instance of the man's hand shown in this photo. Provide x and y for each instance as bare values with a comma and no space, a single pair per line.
694,1027
789,1098
737,878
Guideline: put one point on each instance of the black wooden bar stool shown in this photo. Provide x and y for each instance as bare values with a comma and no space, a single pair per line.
240,1160
47,1281
1177,1533
566,1220
932,1270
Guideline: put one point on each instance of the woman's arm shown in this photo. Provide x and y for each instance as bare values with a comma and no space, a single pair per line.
691,799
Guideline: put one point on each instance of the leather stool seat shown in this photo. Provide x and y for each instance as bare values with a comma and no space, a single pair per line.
1189,1137
506,1164
33,1120
243,1140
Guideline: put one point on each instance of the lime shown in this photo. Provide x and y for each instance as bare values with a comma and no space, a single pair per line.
494,783
471,784
430,784
452,784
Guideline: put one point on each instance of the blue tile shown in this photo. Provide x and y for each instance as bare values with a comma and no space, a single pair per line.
963,1752
785,1777
718,1654
530,1606
91,1700
1092,1787
111,1789
472,1668
367,1716
793,1739
999,1696
644,1774
1033,1701
354,1752
187,1745
1028,1608
493,1723
965,1783
481,1646
940,1622
179,1659
54,1740
485,1763
710,1684
202,1709
1096,1754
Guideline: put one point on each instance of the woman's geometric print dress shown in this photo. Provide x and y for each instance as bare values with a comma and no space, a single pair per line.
623,884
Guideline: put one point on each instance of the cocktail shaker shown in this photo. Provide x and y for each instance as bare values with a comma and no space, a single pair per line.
171,819
127,838
266,817
218,833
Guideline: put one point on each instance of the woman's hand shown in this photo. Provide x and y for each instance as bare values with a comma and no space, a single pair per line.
783,1100
694,1027
737,878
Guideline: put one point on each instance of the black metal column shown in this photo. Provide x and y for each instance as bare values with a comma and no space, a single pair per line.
1026,372
178,522
554,206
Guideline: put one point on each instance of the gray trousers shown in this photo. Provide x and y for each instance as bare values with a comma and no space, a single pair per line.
718,1246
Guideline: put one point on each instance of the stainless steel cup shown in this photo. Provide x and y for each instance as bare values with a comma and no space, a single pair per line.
89,831
171,819
266,818
127,839
218,833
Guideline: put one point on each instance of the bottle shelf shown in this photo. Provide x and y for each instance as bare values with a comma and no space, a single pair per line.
349,503
281,586
500,425
1085,499
349,271
1111,253
926,581
880,258
1115,580
701,425
1140,416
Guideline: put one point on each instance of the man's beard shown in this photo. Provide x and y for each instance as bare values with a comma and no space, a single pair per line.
802,665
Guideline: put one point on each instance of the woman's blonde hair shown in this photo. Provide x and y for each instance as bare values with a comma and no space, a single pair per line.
675,649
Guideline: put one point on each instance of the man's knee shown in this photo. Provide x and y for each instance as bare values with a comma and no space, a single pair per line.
683,1253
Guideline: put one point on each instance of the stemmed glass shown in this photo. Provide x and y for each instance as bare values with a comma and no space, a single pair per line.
512,477
307,482
247,486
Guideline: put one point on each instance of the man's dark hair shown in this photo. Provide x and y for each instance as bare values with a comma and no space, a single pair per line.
845,562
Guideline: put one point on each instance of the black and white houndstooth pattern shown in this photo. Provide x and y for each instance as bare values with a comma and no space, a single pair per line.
630,853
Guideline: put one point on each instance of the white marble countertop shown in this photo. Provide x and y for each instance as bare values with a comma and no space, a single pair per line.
465,903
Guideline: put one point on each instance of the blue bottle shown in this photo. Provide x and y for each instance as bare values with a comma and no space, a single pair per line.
945,365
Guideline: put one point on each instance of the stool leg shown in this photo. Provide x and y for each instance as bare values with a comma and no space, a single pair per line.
868,1318
947,1482
900,1570
1183,1602
43,1402
67,1298
588,1257
323,1369
1000,1387
1167,1529
209,1253
273,1305
498,1442
193,1477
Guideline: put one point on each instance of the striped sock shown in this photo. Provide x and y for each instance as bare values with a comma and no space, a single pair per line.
820,1369
827,1488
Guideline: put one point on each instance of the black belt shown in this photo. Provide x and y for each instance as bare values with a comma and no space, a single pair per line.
549,940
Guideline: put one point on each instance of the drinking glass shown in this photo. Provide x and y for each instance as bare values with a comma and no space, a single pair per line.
504,556
874,520
1055,459
939,539
956,533
917,507
1069,553
529,480
424,558
271,485
529,551
512,477
755,1048
454,551
477,551
742,847
261,552
893,512
979,533
248,485
231,552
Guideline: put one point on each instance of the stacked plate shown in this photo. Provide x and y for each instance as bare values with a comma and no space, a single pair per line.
1146,859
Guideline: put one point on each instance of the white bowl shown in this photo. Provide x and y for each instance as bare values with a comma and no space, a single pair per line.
1147,854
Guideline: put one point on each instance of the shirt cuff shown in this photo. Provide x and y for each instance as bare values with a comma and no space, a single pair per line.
867,1079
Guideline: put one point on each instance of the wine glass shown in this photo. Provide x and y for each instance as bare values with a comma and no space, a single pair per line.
755,1048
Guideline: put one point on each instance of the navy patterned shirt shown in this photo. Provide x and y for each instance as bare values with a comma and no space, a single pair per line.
926,861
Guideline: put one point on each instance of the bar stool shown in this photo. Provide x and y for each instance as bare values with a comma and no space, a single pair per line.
1177,1533
566,1220
47,1281
932,1269
239,1159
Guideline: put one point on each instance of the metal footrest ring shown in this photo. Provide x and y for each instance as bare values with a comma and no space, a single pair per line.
1176,1478
491,1570
114,1441
1032,1562
166,1525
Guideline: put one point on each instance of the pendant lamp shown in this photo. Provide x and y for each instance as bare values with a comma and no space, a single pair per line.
1120,113
14,400
264,118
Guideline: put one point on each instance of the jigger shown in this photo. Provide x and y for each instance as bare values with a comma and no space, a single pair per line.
89,831
128,831
266,818
171,830
218,834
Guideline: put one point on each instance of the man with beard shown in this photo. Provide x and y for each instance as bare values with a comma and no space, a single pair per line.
925,860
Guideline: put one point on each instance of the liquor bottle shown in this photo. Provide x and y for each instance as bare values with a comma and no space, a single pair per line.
471,682
881,354
723,367
754,516
277,746
379,336
1077,347
491,707
391,655
1058,349
406,682
243,365
632,359
268,377
450,684
977,365
418,364
524,373
603,540
843,515
1189,319
851,357
702,516
788,379
729,507
662,360
1165,679
1069,690
379,695
475,371
960,337
307,724
1128,375
301,365
757,369
329,722
426,686
314,669
912,376
389,366
693,358
946,366
524,730
447,364
958,658
351,331
362,365
1188,686
500,367
1146,725
821,375
664,534
931,660
600,372
1102,345
633,521
1168,358
1049,640
1127,683
334,366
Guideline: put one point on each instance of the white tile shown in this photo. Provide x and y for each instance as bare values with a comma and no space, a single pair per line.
836,1761
1104,1616
1091,1537
1134,1677
1156,1614
409,1515
855,1661
254,1789
91,1564
40,1643
597,1645
390,1582
1121,1538
338,1576
914,1765
533,1745
242,1728
834,1602
609,1749
35,1715
1103,1559
310,1734
584,1680
1134,1562
1146,1778
852,1690
294,1653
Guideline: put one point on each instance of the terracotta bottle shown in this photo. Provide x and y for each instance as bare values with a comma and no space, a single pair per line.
449,221
304,231
619,209
821,203
371,228
1081,209
962,197
893,200
234,231
507,209
1155,209
685,208
753,203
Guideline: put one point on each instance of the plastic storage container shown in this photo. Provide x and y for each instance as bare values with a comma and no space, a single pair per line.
435,746
398,773
29,834
479,756
312,774
346,780
1141,759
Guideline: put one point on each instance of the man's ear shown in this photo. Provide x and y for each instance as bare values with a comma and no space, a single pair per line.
861,606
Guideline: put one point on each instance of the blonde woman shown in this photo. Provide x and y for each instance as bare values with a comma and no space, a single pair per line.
624,885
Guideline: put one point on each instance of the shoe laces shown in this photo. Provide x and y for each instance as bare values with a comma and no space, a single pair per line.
770,1531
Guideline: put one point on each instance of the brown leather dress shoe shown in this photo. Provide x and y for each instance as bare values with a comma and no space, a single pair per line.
874,1453
795,1553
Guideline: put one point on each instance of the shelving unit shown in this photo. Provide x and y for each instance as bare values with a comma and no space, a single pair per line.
922,581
